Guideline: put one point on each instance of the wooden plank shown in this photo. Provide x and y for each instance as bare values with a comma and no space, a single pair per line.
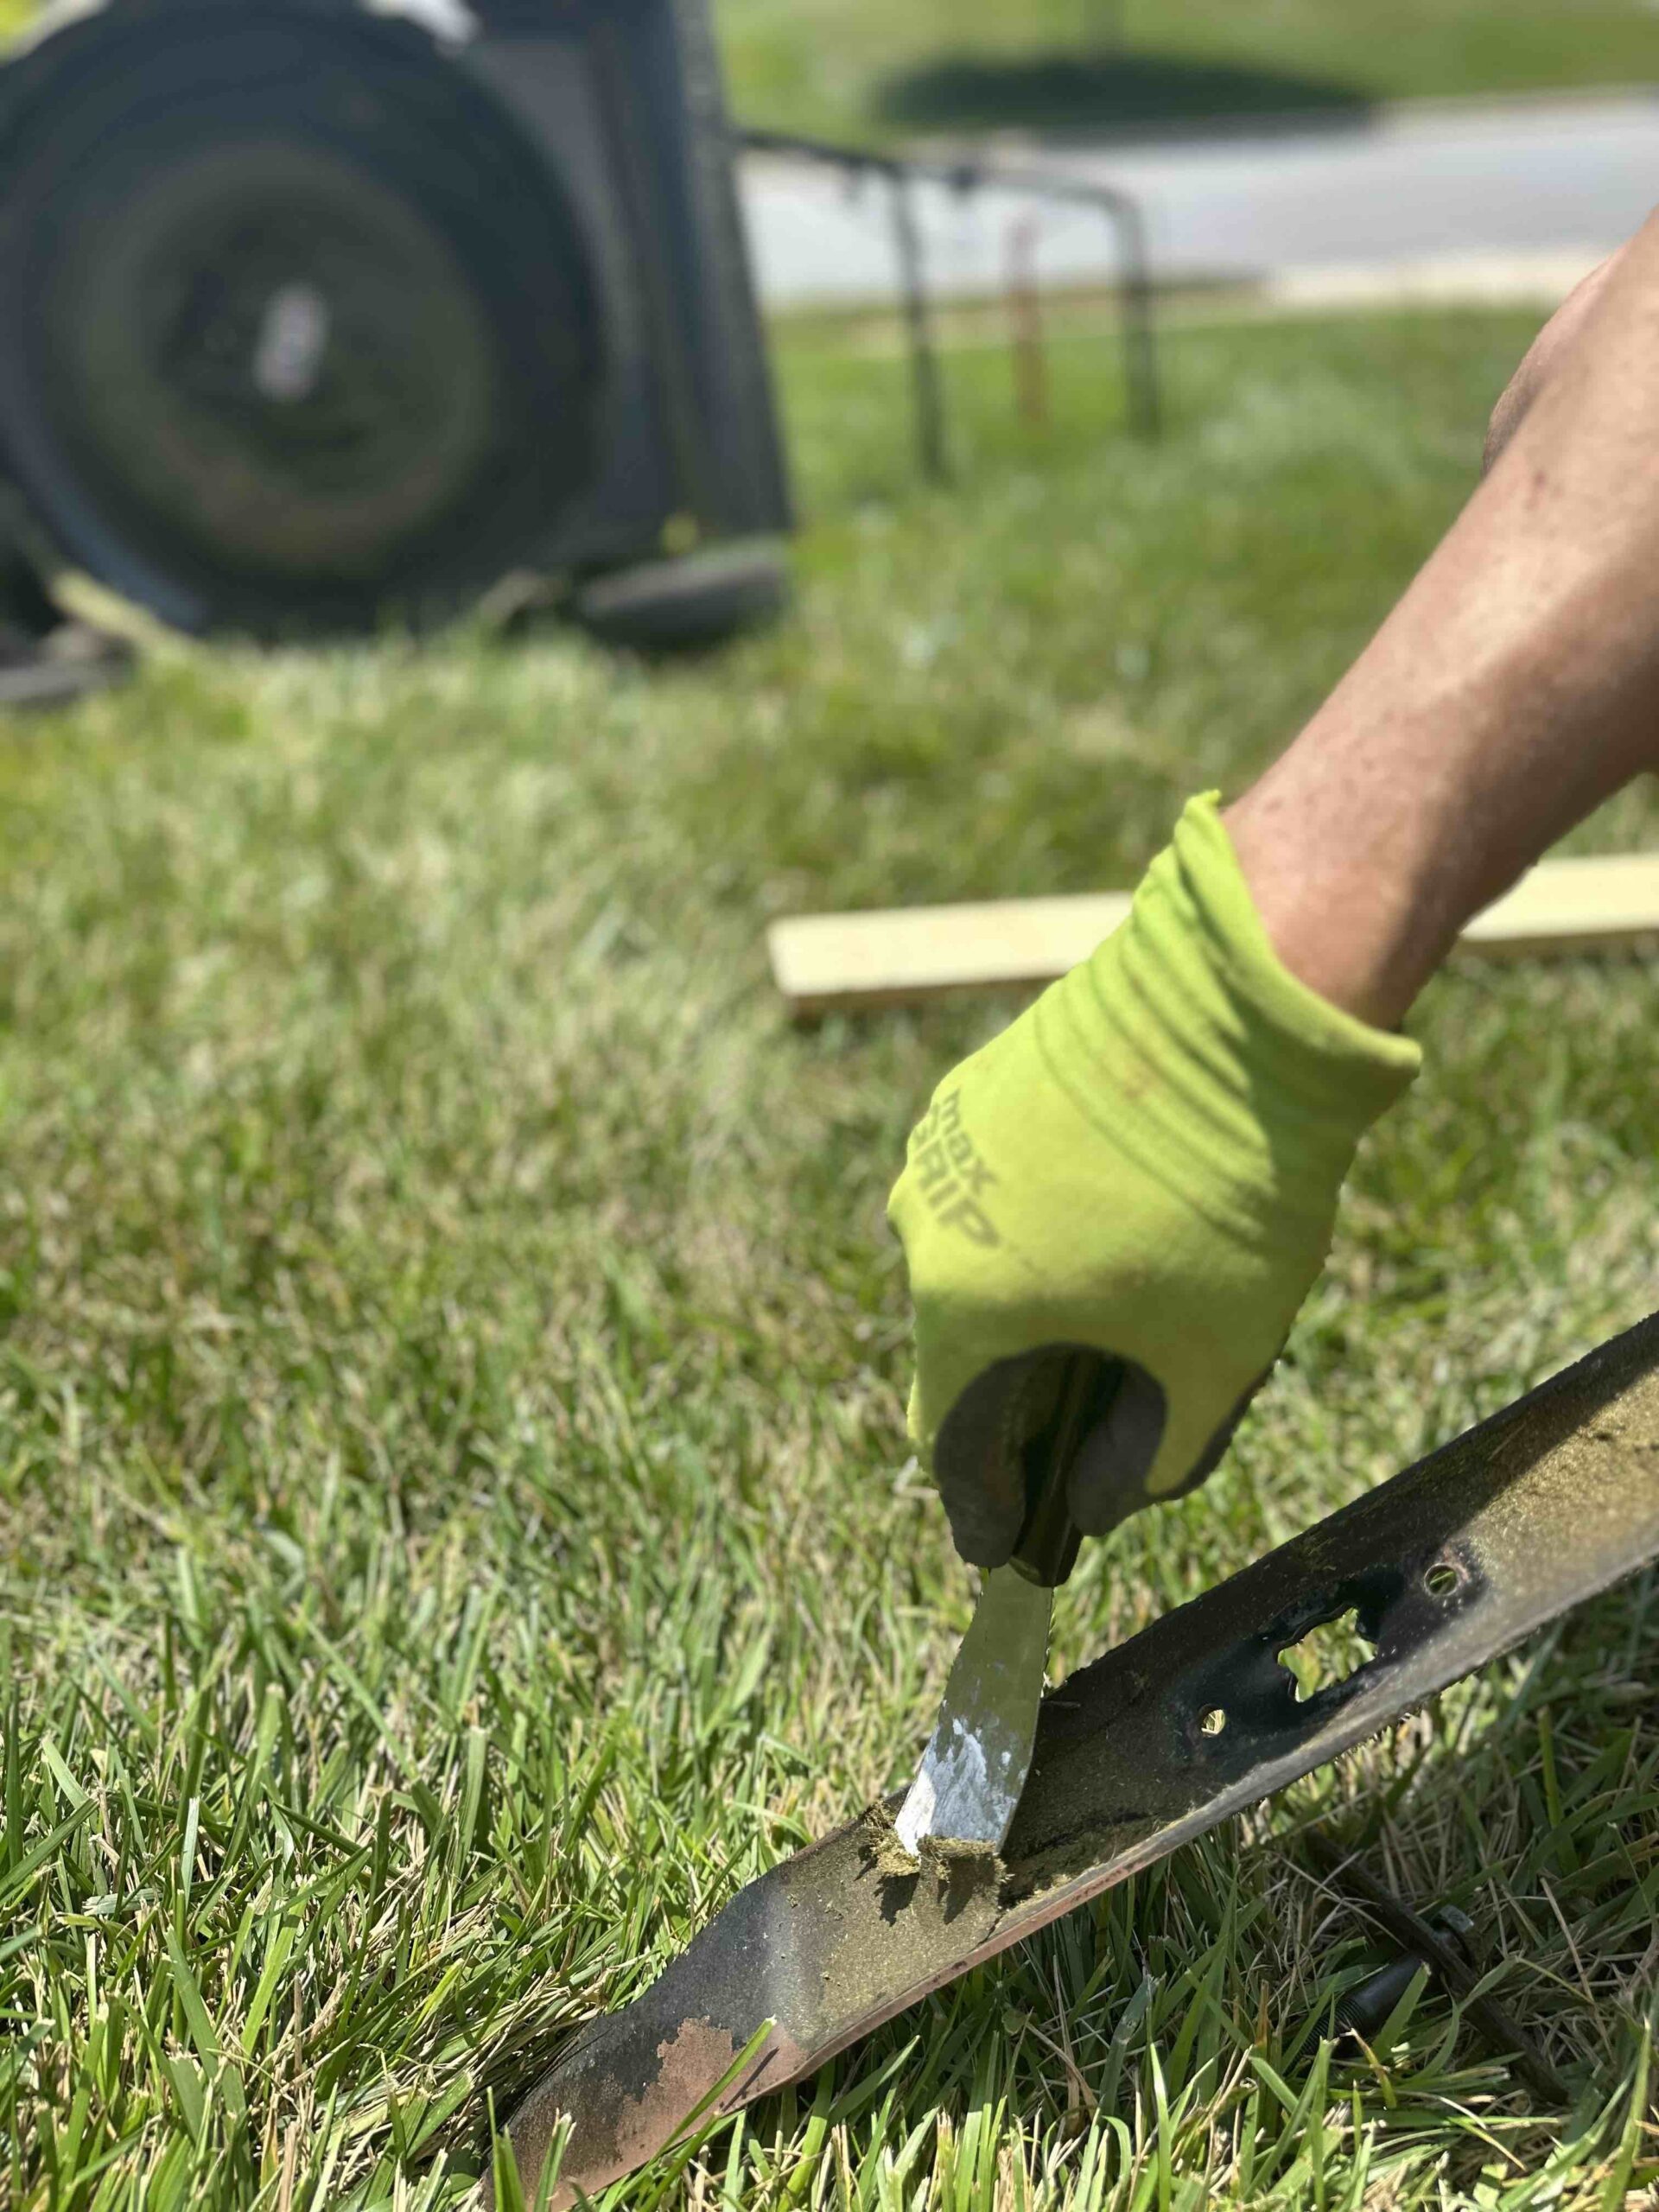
1608,904
829,964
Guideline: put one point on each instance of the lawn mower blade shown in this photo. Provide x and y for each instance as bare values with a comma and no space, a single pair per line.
1448,1565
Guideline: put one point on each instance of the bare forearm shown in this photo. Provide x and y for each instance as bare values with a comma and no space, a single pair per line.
1513,688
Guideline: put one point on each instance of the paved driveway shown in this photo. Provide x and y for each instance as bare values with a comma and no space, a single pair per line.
1433,184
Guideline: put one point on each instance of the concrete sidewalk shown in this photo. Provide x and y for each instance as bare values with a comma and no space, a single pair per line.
1500,199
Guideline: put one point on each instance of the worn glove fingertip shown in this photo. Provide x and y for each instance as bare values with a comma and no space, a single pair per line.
977,1470
980,1538
1108,1481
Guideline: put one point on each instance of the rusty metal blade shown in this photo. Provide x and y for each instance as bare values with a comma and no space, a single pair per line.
1448,1565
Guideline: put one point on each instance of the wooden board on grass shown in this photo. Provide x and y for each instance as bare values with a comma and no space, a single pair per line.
829,964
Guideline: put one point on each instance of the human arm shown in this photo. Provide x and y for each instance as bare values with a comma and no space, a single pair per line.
1513,688
1146,1165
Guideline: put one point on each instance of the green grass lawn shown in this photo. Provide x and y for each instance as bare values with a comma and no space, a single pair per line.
949,65
455,1523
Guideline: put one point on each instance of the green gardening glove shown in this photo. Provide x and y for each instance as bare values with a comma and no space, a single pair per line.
1145,1166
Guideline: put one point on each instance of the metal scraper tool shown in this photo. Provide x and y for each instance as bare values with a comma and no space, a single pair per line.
968,1787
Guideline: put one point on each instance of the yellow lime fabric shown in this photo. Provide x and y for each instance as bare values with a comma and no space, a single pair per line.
1147,1162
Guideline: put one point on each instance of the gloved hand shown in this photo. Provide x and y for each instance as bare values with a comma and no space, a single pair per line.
1146,1164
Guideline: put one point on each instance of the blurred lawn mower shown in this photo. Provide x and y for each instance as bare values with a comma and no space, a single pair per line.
325,313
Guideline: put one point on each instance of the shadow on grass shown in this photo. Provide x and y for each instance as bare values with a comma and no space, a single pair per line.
1070,91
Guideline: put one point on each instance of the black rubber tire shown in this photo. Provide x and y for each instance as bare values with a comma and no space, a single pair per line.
688,605
453,412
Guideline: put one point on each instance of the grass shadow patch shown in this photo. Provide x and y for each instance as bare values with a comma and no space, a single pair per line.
1064,91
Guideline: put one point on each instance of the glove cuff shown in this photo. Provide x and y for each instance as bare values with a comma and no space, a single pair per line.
1241,1066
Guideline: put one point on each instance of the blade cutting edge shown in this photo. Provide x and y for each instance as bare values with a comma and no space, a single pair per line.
973,1771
